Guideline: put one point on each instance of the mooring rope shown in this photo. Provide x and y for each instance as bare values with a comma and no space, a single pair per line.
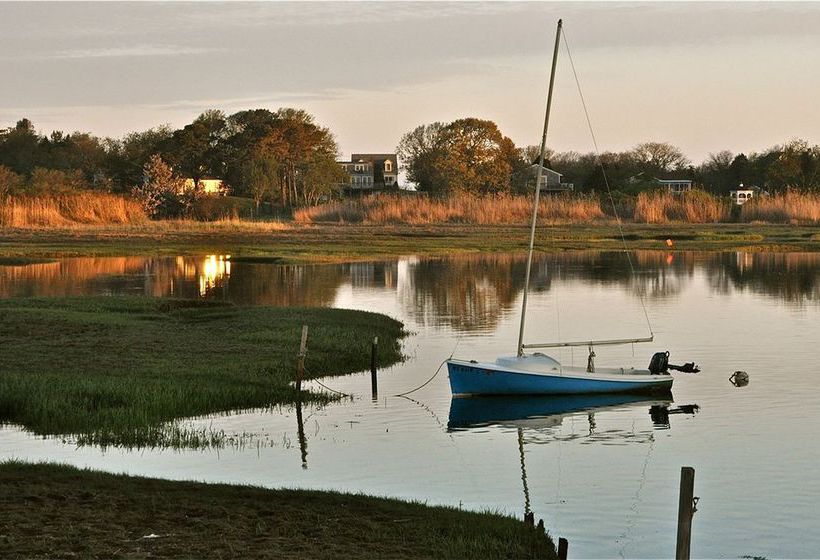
603,172
316,380
426,382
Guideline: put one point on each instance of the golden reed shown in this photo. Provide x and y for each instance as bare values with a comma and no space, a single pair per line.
693,207
68,210
788,208
457,209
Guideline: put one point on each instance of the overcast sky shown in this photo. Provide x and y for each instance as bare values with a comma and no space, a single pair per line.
704,76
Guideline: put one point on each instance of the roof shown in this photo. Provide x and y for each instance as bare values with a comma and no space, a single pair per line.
545,168
375,157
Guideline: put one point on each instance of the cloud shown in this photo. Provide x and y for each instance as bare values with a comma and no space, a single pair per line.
131,51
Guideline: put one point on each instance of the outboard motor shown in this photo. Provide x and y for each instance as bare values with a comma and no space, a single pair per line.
659,363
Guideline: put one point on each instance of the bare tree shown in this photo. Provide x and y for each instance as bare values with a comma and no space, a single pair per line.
659,156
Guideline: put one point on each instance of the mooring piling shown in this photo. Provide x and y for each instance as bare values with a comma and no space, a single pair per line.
300,364
563,547
686,509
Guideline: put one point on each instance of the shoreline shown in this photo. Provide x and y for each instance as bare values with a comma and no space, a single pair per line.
291,243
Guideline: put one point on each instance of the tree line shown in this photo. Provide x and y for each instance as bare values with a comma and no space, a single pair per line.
281,156
472,155
286,158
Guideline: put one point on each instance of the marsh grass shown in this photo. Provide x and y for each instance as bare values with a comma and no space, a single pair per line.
112,370
56,511
788,208
456,209
69,209
693,207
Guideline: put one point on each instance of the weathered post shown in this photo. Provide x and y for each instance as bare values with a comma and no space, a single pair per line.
300,365
563,546
686,509
374,383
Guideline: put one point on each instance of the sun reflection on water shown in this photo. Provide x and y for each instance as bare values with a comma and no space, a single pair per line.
215,270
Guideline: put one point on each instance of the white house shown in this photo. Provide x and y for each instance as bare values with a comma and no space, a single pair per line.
676,186
209,185
741,195
550,180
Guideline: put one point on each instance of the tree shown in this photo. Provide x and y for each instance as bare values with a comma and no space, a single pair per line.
321,177
126,158
20,148
289,138
55,181
419,149
159,189
199,149
798,166
659,157
10,182
717,174
261,178
467,155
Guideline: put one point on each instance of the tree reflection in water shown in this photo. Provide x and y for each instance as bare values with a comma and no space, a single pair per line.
468,293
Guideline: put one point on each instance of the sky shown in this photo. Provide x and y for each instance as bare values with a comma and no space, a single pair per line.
703,76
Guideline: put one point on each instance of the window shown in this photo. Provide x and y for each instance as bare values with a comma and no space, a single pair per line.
388,165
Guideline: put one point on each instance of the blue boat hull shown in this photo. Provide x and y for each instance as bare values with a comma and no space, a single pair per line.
483,379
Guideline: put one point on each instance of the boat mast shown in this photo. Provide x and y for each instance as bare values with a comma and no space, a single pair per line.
520,348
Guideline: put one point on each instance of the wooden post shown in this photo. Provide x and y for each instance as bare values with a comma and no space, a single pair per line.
686,508
374,383
563,545
300,365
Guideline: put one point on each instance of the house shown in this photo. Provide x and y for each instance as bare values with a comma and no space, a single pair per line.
673,183
360,174
209,185
385,169
742,195
550,180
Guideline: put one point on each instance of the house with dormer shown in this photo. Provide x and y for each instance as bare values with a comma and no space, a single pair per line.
370,172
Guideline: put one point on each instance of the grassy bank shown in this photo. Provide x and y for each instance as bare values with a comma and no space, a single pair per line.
114,370
52,511
352,242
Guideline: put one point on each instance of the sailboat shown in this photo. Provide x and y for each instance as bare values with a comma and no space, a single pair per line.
539,374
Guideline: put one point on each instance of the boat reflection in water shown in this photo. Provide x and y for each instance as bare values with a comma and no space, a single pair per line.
549,411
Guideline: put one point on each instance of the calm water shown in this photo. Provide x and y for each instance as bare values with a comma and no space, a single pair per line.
603,473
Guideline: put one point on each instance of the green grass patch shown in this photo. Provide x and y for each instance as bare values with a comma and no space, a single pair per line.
54,511
112,370
323,243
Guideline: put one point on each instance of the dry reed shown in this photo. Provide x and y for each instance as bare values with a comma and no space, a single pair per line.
694,207
68,210
458,209
788,208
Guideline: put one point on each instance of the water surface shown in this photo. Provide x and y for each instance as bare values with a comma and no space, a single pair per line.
602,472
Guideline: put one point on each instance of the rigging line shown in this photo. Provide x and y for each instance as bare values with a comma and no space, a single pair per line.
606,180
